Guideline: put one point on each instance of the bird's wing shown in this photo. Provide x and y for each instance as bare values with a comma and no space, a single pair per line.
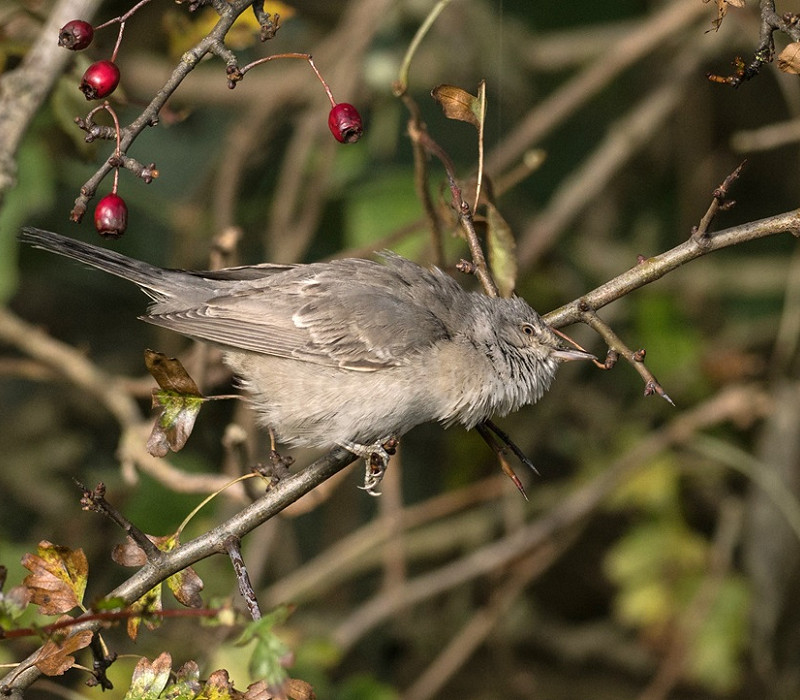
354,314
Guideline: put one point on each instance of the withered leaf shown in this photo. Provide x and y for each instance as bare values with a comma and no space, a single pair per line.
148,605
459,104
174,423
300,690
178,402
185,585
294,688
131,554
258,691
502,251
13,603
55,656
789,59
170,373
58,577
149,679
722,10
219,687
186,685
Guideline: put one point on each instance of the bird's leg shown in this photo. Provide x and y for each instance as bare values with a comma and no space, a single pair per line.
376,458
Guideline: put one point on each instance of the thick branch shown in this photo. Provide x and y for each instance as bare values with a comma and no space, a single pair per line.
276,499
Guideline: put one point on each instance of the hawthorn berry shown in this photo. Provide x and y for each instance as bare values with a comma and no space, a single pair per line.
344,121
100,80
111,216
75,35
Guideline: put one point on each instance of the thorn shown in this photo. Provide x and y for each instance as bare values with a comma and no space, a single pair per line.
653,387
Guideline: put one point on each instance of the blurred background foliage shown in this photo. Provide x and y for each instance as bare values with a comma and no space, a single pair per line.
658,555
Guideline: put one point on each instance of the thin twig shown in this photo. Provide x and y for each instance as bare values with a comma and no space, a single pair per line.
618,347
651,269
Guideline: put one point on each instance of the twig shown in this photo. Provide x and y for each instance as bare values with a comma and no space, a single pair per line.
25,87
212,542
233,547
719,202
618,348
771,22
420,135
211,43
95,499
651,269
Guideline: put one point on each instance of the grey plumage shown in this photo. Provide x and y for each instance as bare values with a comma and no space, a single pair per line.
352,351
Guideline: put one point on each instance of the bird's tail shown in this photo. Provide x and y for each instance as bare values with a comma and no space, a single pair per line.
157,282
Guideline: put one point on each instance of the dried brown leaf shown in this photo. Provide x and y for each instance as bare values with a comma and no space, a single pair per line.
258,691
300,690
186,586
170,373
219,687
458,104
55,656
789,59
722,10
58,577
295,689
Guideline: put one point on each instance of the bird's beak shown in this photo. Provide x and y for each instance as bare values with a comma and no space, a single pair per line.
564,354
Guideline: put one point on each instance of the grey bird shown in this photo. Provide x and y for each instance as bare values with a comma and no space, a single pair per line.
350,352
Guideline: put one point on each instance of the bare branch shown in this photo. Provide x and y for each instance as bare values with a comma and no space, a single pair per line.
651,269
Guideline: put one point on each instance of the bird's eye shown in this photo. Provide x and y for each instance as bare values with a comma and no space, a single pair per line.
528,329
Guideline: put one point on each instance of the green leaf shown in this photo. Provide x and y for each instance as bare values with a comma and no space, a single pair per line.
270,655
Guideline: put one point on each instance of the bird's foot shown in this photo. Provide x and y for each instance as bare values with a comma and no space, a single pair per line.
376,458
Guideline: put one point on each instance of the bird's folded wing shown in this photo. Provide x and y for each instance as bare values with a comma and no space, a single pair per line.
340,323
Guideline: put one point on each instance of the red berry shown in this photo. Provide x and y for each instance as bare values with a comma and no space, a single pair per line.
75,35
111,216
344,121
100,80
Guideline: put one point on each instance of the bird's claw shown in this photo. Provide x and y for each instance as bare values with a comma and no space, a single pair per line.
376,458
